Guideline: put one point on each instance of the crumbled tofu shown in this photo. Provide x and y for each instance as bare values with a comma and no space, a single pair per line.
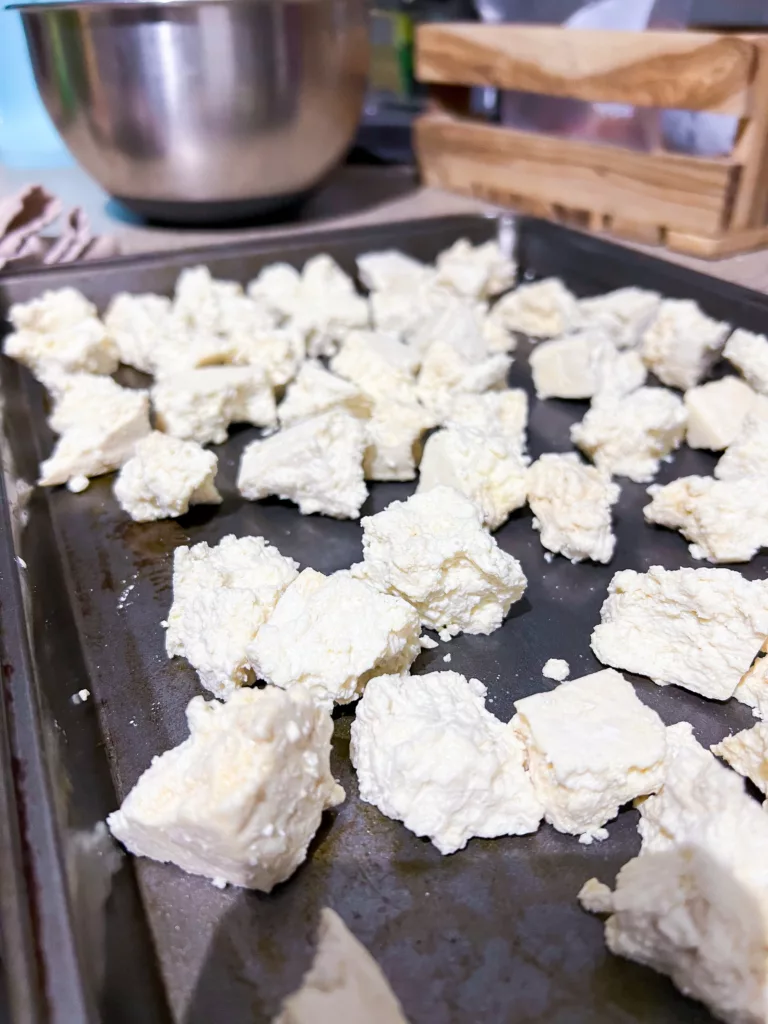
380,365
434,551
164,476
582,365
543,309
332,634
717,411
327,306
403,308
748,352
596,897
682,343
199,405
725,520
503,412
393,440
222,595
277,351
622,314
460,324
315,391
696,628
201,302
628,435
390,270
753,685
344,984
445,373
317,464
571,503
239,800
429,754
99,423
591,746
60,333
557,669
475,271
694,904
747,455
138,325
747,753
277,288
481,466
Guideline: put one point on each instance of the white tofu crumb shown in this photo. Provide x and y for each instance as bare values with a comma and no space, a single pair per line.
503,412
557,669
753,685
428,644
327,306
747,753
434,551
717,411
332,634
622,314
241,798
748,352
596,897
315,391
543,309
445,373
139,325
695,628
429,754
78,484
725,520
393,440
222,595
199,405
571,503
447,658
391,269
591,746
629,435
682,343
317,464
80,697
343,984
164,476
99,423
475,271
549,557
380,365
584,364
481,466
747,455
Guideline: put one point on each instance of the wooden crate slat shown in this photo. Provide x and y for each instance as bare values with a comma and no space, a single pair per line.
679,70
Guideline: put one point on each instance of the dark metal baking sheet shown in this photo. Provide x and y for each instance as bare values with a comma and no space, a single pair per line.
492,933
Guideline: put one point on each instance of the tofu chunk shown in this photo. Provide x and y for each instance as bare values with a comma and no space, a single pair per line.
164,476
753,685
222,595
582,365
328,307
571,503
278,352
717,412
463,325
239,800
433,551
591,746
201,302
543,309
747,753
481,466
390,270
557,669
695,628
623,314
139,325
747,454
317,464
682,343
199,405
725,520
380,365
503,413
315,391
278,289
629,435
429,754
475,271
332,634
445,373
393,440
748,352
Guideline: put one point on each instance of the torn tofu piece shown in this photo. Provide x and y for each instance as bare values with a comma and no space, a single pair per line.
503,412
717,412
332,634
344,983
629,435
404,308
241,798
433,551
747,455
475,271
317,464
747,753
557,669
278,352
622,314
380,365
748,352
694,906
725,520
591,746
315,391
481,466
753,685
201,301
393,440
571,503
682,343
199,405
695,628
164,476
99,423
462,325
583,364
139,325
277,289
428,753
542,309
391,270
222,595
60,333
328,307
445,373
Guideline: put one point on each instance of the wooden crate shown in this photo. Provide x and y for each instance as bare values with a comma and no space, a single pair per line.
707,207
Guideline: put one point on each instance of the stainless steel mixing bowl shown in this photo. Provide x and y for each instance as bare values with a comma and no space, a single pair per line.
202,110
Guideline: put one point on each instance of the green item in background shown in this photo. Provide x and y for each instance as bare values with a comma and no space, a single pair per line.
392,54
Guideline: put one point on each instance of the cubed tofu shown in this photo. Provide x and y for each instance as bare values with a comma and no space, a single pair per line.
475,271
682,343
328,306
393,440
446,373
390,270
584,364
717,411
753,685
315,391
380,365
542,309
622,314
